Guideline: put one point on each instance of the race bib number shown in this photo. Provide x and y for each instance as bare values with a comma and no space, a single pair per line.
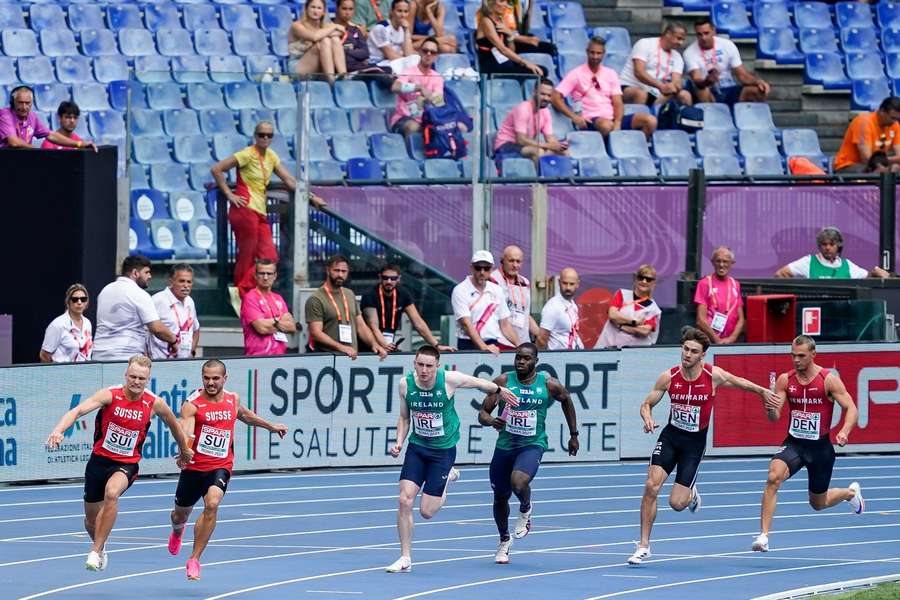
804,425
214,442
119,440
428,424
345,334
686,417
718,322
522,422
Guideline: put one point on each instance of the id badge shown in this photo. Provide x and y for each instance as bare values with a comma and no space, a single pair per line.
280,336
498,56
578,107
345,334
185,341
718,322
388,336
518,319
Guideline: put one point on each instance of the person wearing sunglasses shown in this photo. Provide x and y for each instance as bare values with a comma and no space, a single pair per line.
265,316
416,85
633,314
480,310
68,337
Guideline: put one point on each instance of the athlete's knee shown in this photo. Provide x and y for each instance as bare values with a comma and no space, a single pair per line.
818,502
406,501
651,488
520,485
679,504
428,512
180,515
111,498
211,504
775,478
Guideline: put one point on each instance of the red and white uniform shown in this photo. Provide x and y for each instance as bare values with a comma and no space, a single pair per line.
810,407
213,431
692,401
122,425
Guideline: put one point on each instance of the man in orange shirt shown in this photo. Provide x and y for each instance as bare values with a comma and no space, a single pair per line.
868,133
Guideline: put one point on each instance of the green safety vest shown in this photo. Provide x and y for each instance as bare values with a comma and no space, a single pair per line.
819,271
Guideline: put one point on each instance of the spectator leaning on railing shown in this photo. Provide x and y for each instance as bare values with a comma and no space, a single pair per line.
560,316
720,307
68,113
479,307
828,263
633,314
19,125
177,312
265,316
517,290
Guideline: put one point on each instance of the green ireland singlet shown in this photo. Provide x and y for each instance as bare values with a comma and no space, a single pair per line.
819,271
435,423
525,423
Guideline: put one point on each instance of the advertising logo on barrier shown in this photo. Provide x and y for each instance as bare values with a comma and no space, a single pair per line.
812,320
9,455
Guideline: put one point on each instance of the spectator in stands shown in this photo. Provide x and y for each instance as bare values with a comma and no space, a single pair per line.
68,113
390,40
356,50
333,317
870,132
715,71
479,307
315,45
633,314
19,125
828,263
878,163
499,44
652,73
516,292
720,308
125,313
559,317
370,12
265,316
414,86
177,312
517,136
68,336
385,305
426,19
596,97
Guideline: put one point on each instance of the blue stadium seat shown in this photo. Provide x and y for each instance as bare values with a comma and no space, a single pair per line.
802,142
713,143
249,117
757,142
98,42
617,39
147,204
145,121
862,65
287,120
226,144
615,61
106,123
189,68
58,42
202,235
73,69
859,40
825,69
763,165
200,176
347,146
402,169
319,93
36,69
352,94
159,16
11,17
181,121
136,42
888,14
278,95
110,68
771,15
677,166
237,16
139,242
151,150
853,14
202,96
169,235
329,121
672,142
258,64
248,42
469,10
542,60
169,177
559,167
753,115
226,69
388,146
241,94
504,92
585,144
415,144
517,168
119,91
731,17
200,16
780,45
191,149
212,42
278,44
722,166
892,64
623,144
565,14
637,166
363,169
138,176
818,40
47,96
8,75
367,120
219,120
124,16
570,60
596,166
152,69
890,39
812,15
276,18
441,168
867,94
19,42
464,89
174,42
318,148
46,16
325,171
90,96
448,62
570,40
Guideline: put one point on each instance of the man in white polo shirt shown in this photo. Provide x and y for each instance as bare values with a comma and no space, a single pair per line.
125,312
652,73
177,312
480,310
559,317
517,290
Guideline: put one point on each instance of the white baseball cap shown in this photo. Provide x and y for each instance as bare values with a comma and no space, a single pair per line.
482,256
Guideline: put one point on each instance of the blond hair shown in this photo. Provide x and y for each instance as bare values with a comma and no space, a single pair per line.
141,361
306,20
75,287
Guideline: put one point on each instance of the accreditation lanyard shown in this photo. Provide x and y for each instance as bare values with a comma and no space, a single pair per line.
393,309
188,322
730,297
667,74
636,304
265,301
511,285
377,10
337,310
709,57
262,168
82,339
572,313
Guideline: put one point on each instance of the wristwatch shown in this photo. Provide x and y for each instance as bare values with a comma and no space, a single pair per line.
633,323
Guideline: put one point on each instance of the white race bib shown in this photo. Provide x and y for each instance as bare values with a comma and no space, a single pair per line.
280,336
214,442
804,425
185,342
521,422
119,440
686,417
345,334
428,424
718,322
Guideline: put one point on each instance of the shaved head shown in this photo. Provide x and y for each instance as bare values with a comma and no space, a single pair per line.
511,260
568,283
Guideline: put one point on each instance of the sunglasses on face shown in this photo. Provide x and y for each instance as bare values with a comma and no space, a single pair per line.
390,277
646,278
427,51
78,299
265,135
482,267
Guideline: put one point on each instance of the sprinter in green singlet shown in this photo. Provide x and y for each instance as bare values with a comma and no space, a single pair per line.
426,399
522,440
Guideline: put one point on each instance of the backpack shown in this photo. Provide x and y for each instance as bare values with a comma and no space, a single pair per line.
440,128
675,115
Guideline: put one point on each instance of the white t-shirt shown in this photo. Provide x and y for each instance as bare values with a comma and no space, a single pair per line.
518,300
660,64
384,35
123,311
180,318
484,308
724,56
66,341
800,267
560,317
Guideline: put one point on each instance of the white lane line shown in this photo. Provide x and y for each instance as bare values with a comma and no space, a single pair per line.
630,576
329,592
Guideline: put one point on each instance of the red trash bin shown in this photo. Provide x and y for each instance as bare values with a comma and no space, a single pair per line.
771,318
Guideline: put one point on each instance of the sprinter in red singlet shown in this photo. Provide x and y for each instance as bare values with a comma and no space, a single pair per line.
810,392
121,426
691,387
208,418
